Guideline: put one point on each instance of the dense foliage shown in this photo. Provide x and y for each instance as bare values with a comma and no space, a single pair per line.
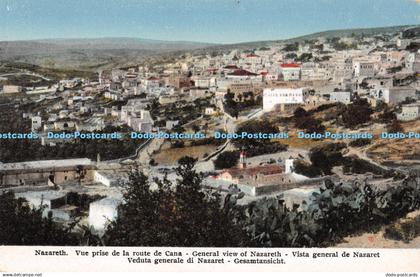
360,142
257,146
305,121
226,159
337,210
18,150
175,215
291,47
323,158
23,225
183,214
26,150
245,101
357,113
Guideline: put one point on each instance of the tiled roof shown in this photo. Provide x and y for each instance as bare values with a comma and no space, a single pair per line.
290,65
231,66
253,171
242,72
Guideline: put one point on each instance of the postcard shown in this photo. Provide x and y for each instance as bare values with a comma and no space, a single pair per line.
209,136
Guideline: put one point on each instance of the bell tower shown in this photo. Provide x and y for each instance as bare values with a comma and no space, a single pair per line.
242,159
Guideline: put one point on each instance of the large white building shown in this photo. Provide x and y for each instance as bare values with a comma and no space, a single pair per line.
283,97
394,95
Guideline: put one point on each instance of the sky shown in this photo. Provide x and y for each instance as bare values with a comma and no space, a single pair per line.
214,21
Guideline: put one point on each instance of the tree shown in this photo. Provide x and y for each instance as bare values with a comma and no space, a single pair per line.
258,146
226,159
291,47
309,124
181,214
327,156
230,105
306,169
290,56
357,113
300,112
23,225
304,120
395,127
387,116
195,128
205,127
305,57
178,129
254,126
80,173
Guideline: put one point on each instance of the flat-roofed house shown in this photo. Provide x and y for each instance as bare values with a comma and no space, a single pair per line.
47,171
409,112
284,98
290,71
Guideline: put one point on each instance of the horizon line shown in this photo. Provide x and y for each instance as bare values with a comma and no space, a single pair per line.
206,42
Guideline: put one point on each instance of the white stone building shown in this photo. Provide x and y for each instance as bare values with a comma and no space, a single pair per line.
290,71
36,123
364,69
409,112
345,97
103,212
283,97
394,95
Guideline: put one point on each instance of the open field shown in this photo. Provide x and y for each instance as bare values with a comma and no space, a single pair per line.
396,149
48,72
170,156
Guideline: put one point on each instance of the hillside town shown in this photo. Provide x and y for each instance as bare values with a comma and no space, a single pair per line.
278,119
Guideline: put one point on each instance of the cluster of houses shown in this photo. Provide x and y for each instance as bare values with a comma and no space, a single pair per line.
283,77
260,180
51,183
380,69
375,69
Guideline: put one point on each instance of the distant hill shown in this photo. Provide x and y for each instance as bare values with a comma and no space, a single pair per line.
325,34
123,43
95,53
89,53
412,33
357,32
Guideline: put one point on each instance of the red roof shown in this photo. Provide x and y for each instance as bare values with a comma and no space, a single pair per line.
252,171
152,78
290,65
242,72
252,56
231,66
